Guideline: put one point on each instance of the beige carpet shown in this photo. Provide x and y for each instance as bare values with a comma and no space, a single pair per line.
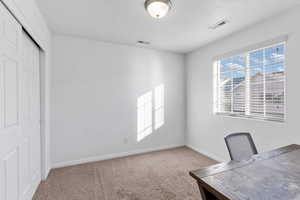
159,175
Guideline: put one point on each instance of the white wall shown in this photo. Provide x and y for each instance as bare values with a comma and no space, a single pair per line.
205,131
95,87
29,15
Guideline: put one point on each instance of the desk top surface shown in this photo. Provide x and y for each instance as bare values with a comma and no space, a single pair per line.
273,175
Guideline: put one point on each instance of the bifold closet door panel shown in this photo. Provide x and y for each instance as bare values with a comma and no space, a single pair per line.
30,93
20,158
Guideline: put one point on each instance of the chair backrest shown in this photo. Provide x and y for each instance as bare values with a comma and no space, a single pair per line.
240,146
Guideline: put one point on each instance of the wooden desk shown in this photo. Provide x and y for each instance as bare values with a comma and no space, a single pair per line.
273,175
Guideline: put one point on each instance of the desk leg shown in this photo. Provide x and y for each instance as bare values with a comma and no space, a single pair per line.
206,195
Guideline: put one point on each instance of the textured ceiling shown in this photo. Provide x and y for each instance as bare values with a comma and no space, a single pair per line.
183,29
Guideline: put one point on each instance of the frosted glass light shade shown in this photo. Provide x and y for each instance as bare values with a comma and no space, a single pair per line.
158,8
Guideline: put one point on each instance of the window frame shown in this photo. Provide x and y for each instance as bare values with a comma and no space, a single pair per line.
216,81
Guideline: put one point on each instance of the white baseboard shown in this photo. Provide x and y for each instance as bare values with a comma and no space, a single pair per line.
28,195
45,176
206,153
111,156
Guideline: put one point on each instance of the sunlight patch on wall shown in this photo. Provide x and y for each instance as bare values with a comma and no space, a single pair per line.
146,111
144,116
159,106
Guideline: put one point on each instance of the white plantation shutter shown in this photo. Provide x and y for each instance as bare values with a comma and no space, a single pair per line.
257,91
252,84
232,87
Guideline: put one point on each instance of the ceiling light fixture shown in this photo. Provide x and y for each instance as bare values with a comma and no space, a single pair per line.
158,8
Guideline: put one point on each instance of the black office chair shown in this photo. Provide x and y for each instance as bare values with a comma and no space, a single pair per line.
240,146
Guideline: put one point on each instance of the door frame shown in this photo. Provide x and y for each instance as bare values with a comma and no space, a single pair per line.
40,38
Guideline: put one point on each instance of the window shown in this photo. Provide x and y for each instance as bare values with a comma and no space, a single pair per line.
159,106
144,116
252,84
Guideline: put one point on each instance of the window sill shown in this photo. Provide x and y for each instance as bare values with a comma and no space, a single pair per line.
251,117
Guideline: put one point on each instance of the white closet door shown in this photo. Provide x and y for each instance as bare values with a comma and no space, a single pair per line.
20,158
30,118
